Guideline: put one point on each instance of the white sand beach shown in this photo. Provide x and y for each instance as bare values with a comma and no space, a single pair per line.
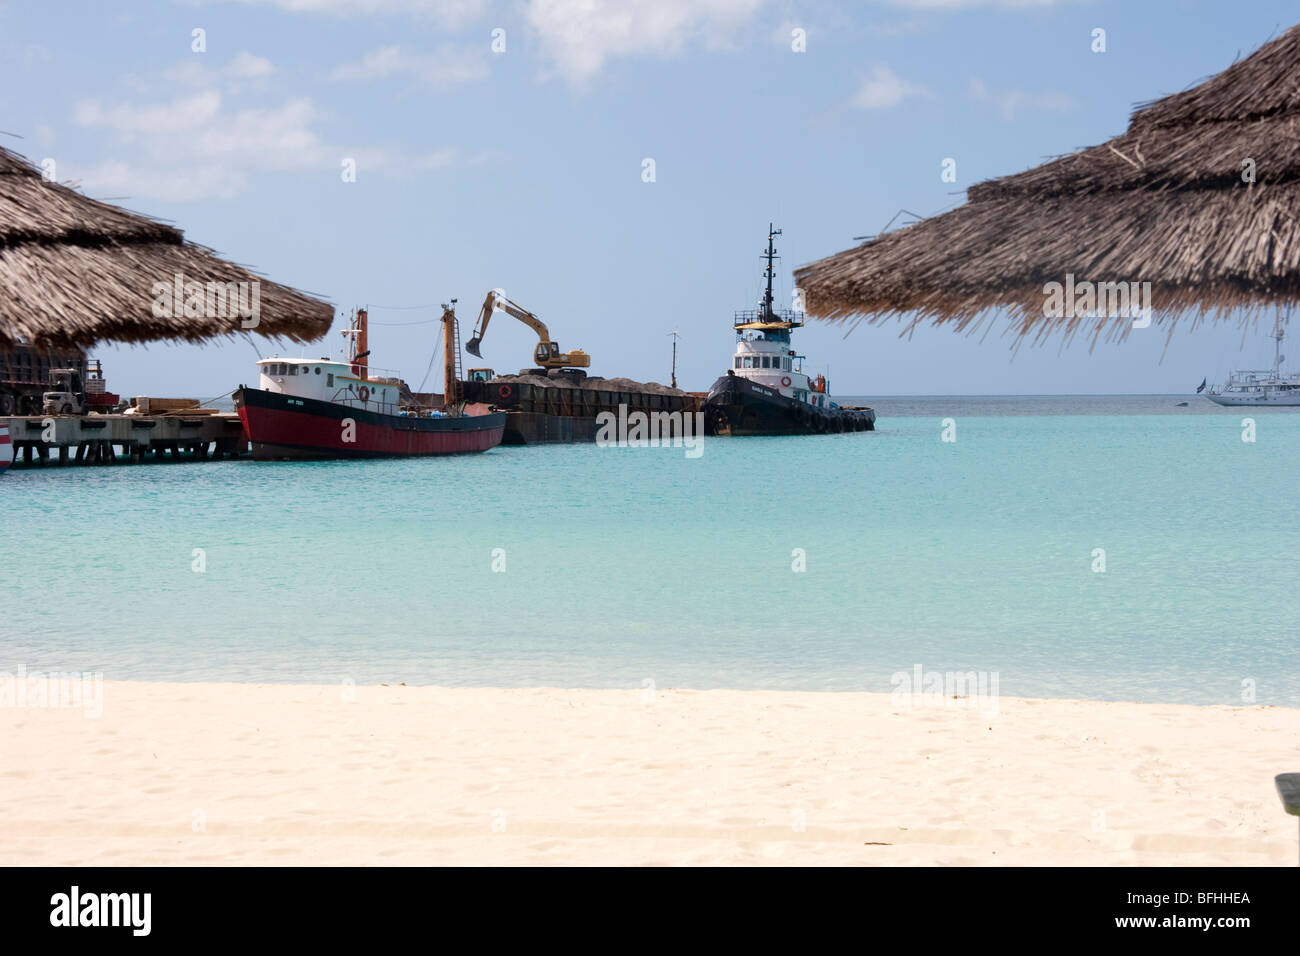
226,774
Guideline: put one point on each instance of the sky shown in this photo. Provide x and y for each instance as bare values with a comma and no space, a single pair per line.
504,144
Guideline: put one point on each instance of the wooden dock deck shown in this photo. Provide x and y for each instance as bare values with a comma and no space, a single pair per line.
124,439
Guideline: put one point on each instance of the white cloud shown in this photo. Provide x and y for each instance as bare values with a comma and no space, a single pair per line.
579,36
450,13
445,67
885,89
1011,102
195,147
397,162
119,179
244,69
900,28
178,116
246,66
967,4
192,148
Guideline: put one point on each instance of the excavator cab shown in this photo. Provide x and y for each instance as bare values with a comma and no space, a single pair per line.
546,352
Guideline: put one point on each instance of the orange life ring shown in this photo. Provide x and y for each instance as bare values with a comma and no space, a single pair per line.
785,380
364,393
504,391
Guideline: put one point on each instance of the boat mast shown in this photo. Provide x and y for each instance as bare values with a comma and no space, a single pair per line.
363,342
675,334
358,344
773,323
450,341
1278,333
768,311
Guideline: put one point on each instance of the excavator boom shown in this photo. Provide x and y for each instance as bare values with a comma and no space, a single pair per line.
497,300
547,354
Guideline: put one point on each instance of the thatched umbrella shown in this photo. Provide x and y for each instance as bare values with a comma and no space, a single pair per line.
1169,202
74,271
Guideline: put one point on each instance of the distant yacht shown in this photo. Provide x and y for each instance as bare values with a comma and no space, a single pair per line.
1261,387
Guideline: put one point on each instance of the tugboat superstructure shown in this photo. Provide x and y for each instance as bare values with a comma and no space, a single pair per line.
766,391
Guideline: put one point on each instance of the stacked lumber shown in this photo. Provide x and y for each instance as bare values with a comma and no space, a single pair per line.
147,405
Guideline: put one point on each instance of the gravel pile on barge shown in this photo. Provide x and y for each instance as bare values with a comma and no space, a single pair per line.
563,408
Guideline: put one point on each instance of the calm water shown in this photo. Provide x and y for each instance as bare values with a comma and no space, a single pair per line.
625,564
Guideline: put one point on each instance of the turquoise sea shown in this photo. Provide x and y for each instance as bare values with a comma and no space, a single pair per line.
628,564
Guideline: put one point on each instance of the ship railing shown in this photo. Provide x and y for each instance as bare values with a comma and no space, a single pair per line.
371,371
347,395
759,315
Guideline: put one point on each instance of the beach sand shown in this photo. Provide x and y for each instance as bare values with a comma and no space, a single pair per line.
292,774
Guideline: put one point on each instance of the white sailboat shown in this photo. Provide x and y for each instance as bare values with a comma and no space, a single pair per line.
1268,387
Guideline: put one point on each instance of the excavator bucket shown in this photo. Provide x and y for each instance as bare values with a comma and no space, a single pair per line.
472,347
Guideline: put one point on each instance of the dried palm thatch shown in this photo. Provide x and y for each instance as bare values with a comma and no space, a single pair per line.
1168,202
74,271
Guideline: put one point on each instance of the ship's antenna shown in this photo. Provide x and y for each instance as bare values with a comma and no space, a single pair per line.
772,233
1278,333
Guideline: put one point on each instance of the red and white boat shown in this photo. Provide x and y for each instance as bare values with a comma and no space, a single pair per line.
6,448
329,408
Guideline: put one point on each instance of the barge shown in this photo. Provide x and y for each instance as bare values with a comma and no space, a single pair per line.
557,401
563,409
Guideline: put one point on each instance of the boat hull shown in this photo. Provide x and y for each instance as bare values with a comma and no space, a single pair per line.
1280,399
283,426
737,406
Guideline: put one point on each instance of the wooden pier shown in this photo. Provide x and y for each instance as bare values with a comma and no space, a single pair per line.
124,439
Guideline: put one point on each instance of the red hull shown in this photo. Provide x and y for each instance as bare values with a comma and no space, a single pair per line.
280,426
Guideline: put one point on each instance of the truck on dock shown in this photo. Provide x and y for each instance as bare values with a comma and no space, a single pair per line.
25,375
72,393
52,382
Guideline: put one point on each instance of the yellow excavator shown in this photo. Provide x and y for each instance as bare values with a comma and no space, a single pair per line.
547,355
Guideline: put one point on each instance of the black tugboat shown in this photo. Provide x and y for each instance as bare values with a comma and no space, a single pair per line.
766,392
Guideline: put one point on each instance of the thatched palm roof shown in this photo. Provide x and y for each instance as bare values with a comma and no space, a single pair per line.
74,271
1165,202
